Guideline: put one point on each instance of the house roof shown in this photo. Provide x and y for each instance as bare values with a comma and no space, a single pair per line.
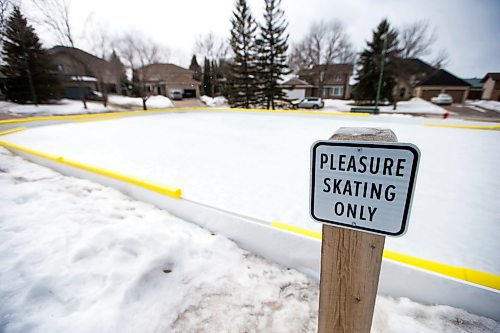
413,66
442,78
77,54
331,68
476,83
493,76
296,82
168,72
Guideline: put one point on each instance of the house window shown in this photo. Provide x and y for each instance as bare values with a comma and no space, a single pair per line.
149,87
338,91
326,92
337,77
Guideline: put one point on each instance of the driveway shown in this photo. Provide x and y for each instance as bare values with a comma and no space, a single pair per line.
189,103
461,111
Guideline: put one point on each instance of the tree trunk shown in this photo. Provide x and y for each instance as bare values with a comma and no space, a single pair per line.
144,107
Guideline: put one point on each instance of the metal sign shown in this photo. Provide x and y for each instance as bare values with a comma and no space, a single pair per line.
365,186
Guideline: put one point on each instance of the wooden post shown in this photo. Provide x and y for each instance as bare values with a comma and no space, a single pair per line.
350,263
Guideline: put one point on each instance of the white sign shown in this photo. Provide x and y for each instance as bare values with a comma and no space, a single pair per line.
366,186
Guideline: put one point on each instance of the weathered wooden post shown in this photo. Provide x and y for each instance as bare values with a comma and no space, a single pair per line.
362,181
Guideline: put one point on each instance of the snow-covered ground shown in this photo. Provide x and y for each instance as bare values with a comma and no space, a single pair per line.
490,105
217,101
72,107
414,106
153,102
258,165
63,107
79,257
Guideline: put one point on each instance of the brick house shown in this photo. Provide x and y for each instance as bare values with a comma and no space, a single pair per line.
328,81
408,73
491,86
78,68
161,79
442,81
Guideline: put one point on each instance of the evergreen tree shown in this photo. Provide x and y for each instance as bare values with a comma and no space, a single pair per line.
369,65
118,70
30,77
195,68
242,76
207,78
273,44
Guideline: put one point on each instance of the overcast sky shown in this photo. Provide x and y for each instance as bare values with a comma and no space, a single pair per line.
468,30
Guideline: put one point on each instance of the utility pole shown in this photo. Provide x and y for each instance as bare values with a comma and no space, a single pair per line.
382,62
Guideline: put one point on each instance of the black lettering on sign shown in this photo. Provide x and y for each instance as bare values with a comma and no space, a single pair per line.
400,167
324,160
327,188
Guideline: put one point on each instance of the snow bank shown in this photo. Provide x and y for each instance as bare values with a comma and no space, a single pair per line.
80,257
63,107
490,105
338,105
414,106
214,102
153,102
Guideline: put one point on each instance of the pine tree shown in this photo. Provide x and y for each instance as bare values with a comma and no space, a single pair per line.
369,64
30,77
118,70
195,68
207,78
242,77
273,45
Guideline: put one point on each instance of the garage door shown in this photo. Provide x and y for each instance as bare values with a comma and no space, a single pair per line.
189,93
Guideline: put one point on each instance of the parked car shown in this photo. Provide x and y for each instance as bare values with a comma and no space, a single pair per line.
442,99
310,103
175,94
93,95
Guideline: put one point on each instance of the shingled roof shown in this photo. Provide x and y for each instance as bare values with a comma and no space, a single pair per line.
443,78
168,72
493,76
297,83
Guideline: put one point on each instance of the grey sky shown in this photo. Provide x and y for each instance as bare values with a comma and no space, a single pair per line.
468,30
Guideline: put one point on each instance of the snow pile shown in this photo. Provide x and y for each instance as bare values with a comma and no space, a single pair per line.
63,107
258,165
414,106
153,102
214,102
338,105
80,257
489,105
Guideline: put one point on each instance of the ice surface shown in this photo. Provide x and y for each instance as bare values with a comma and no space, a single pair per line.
79,257
258,165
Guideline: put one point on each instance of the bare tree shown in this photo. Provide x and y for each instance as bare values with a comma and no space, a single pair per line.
139,52
216,50
416,39
326,43
441,59
55,14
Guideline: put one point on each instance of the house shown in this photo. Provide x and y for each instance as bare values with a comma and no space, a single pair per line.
441,81
161,79
408,73
328,81
295,88
491,86
78,69
476,88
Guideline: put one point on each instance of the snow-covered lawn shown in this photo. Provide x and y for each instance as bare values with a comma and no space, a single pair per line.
79,257
414,106
217,101
72,107
490,105
153,102
258,165
63,107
